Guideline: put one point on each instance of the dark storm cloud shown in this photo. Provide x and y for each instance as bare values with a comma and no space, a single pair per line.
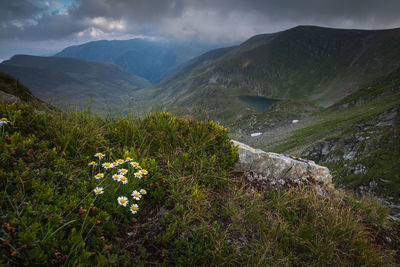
208,20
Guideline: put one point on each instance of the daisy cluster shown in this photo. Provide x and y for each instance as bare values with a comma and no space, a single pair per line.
120,174
4,121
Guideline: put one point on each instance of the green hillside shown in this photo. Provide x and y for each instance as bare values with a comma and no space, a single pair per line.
315,64
196,211
358,138
13,90
74,83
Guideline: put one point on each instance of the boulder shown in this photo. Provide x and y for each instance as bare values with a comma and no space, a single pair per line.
277,168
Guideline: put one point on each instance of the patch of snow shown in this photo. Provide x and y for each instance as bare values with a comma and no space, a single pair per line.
255,134
295,121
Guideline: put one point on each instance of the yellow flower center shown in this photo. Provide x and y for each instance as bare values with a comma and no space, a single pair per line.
114,163
136,194
143,171
123,170
122,201
92,162
134,208
4,119
120,161
139,167
128,158
135,163
123,178
143,192
98,190
99,154
98,175
107,164
137,174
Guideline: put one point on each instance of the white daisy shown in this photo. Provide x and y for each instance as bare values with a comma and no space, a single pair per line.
138,175
107,165
92,163
123,201
139,167
128,159
143,192
123,179
115,164
134,208
136,195
98,190
134,164
4,121
120,161
116,177
99,175
143,172
100,155
123,171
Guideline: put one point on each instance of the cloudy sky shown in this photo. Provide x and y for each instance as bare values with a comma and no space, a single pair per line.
43,27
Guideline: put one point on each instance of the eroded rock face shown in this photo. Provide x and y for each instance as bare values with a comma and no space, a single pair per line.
278,169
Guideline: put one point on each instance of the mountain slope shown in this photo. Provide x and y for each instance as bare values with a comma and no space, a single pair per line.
11,90
68,82
150,59
316,64
358,138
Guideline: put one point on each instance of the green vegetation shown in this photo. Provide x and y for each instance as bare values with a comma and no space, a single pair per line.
196,211
356,124
314,64
75,83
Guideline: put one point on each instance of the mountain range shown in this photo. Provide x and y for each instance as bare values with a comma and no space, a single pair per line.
152,60
75,83
315,64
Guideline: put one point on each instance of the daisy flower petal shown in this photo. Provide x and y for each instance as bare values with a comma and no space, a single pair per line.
116,177
123,179
143,192
4,121
98,190
136,195
123,201
100,155
138,175
107,165
134,164
99,175
134,208
123,171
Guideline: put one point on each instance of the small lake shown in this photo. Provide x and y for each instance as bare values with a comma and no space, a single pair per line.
258,102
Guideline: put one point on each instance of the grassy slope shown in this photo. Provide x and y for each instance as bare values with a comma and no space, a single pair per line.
315,64
196,211
346,119
72,83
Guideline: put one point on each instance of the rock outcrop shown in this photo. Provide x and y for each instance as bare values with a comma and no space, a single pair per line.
272,169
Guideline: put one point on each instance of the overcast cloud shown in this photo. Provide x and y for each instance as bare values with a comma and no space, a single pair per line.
35,23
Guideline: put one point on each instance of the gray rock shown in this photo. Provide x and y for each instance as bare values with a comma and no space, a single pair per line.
278,167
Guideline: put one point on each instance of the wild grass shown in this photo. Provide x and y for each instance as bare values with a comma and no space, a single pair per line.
196,212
